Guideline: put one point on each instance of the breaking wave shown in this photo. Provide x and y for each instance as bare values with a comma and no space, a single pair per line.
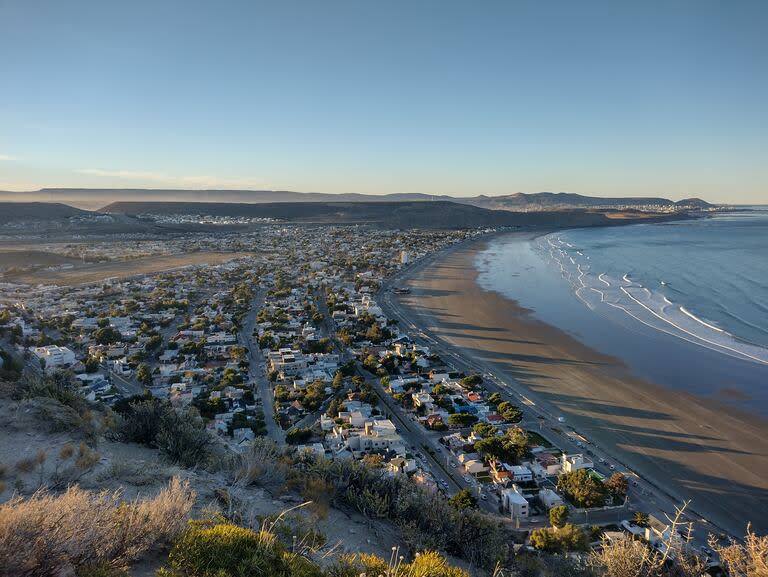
602,293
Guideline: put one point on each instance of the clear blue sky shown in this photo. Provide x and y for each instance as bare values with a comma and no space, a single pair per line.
664,97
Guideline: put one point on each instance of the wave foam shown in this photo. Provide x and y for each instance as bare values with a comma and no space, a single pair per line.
646,306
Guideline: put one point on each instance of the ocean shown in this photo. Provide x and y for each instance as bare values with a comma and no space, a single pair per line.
683,303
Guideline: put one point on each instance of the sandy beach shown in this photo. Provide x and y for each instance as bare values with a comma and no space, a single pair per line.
694,448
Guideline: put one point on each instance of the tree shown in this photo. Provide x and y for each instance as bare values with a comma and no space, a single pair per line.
107,335
334,407
558,515
485,430
582,489
464,499
509,412
338,381
495,448
144,375
472,381
91,364
617,484
641,519
297,435
462,419
567,538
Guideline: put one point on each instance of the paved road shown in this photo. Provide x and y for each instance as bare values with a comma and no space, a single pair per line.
256,369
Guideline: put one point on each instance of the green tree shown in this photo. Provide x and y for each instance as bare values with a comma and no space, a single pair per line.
485,430
472,381
464,499
462,419
641,519
509,412
91,364
558,515
338,381
107,335
567,538
582,489
144,375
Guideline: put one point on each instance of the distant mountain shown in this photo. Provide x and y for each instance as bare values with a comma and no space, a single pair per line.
38,211
523,202
407,214
567,200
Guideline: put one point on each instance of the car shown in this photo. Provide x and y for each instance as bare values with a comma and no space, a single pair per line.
561,419
613,467
453,465
484,497
602,460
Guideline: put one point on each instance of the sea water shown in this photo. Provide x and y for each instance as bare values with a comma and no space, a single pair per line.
683,303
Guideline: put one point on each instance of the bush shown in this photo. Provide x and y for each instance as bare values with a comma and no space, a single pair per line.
425,564
465,533
181,435
221,549
81,529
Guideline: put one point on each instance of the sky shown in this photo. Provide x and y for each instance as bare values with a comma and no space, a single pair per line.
658,98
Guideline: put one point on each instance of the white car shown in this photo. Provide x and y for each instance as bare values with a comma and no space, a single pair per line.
561,419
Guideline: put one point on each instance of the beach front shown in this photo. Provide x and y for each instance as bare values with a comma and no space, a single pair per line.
692,448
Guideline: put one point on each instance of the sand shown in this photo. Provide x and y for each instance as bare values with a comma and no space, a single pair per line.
693,448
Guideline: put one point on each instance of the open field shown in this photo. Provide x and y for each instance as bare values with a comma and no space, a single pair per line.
89,273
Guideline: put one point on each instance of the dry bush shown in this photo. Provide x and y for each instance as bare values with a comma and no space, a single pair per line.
748,560
624,557
261,464
25,465
135,473
47,534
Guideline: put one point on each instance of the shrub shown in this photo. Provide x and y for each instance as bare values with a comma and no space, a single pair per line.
221,549
425,564
465,533
81,529
181,435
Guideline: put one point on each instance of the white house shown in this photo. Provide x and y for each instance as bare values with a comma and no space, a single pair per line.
514,502
520,474
55,357
575,462
549,499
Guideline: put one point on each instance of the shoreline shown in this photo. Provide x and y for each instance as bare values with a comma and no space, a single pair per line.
692,448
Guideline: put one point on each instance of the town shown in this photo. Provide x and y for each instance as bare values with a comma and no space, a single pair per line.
299,339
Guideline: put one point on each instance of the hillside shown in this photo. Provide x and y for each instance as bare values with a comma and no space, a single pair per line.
414,214
39,211
95,198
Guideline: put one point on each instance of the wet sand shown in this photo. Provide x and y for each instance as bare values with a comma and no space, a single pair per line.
693,448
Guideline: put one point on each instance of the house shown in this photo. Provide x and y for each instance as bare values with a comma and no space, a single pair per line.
549,499
53,356
520,474
475,468
512,500
571,463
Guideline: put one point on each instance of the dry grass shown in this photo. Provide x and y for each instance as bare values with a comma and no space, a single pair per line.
122,269
49,534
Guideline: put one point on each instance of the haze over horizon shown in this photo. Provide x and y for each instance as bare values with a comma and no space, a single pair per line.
655,99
